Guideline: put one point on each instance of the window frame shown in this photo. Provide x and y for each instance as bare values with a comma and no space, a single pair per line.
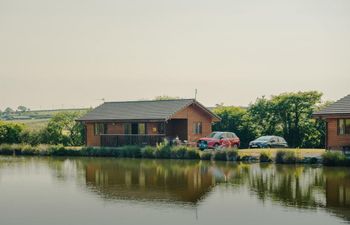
345,129
197,127
100,128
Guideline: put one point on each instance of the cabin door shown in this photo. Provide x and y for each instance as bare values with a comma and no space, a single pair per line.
134,128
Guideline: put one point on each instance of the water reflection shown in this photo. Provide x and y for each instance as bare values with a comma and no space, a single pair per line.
192,182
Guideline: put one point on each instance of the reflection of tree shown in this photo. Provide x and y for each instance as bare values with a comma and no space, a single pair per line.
190,181
291,185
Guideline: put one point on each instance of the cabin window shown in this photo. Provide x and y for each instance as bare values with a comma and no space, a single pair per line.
134,128
197,127
161,128
127,128
100,128
343,126
142,128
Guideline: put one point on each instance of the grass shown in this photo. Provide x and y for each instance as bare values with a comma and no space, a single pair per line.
163,151
33,124
272,151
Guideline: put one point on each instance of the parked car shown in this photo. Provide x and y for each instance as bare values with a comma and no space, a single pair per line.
219,139
269,142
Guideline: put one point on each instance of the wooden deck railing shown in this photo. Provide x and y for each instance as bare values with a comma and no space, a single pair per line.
115,140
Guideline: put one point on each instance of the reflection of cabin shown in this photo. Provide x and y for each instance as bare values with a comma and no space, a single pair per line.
127,180
337,116
338,196
147,122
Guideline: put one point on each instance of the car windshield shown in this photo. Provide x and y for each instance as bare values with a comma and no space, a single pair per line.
265,138
216,135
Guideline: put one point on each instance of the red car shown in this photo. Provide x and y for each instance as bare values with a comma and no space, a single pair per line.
219,139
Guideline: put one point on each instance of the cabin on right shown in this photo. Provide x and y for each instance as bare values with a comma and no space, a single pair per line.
337,116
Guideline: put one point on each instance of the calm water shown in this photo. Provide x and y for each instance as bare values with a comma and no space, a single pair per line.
123,191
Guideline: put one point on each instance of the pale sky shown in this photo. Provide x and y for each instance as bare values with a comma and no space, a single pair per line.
70,53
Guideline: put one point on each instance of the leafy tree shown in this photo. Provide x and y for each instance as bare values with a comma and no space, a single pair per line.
8,110
264,117
294,111
22,109
63,129
289,115
237,120
10,132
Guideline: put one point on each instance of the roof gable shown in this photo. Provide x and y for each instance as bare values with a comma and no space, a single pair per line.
138,110
340,107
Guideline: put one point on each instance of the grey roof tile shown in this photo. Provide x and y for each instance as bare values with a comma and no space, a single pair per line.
341,106
137,110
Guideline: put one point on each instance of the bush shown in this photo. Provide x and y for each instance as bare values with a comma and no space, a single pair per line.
148,152
6,149
287,157
206,156
179,152
220,155
231,154
163,151
192,153
334,158
129,151
265,156
10,133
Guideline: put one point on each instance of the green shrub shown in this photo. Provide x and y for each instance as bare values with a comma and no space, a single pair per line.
6,149
163,151
192,153
231,154
148,152
335,158
280,156
28,150
178,152
287,157
10,132
206,155
265,156
129,151
220,155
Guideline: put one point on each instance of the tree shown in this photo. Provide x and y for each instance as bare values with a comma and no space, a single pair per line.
8,110
237,120
22,109
10,133
290,115
263,115
295,113
63,129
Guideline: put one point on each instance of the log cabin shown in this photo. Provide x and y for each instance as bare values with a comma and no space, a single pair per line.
337,117
115,124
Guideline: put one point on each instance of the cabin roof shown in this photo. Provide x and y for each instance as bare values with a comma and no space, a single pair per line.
141,110
340,107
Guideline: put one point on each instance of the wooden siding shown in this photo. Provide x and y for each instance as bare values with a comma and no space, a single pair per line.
180,124
91,138
335,141
194,114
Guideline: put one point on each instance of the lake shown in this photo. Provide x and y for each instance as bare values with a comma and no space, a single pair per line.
84,191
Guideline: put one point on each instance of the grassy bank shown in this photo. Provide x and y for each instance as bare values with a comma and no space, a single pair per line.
285,156
159,152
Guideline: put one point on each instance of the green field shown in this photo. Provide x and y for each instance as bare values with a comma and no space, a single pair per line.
33,124
38,119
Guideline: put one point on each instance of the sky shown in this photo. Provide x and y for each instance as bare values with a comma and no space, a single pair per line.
73,53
